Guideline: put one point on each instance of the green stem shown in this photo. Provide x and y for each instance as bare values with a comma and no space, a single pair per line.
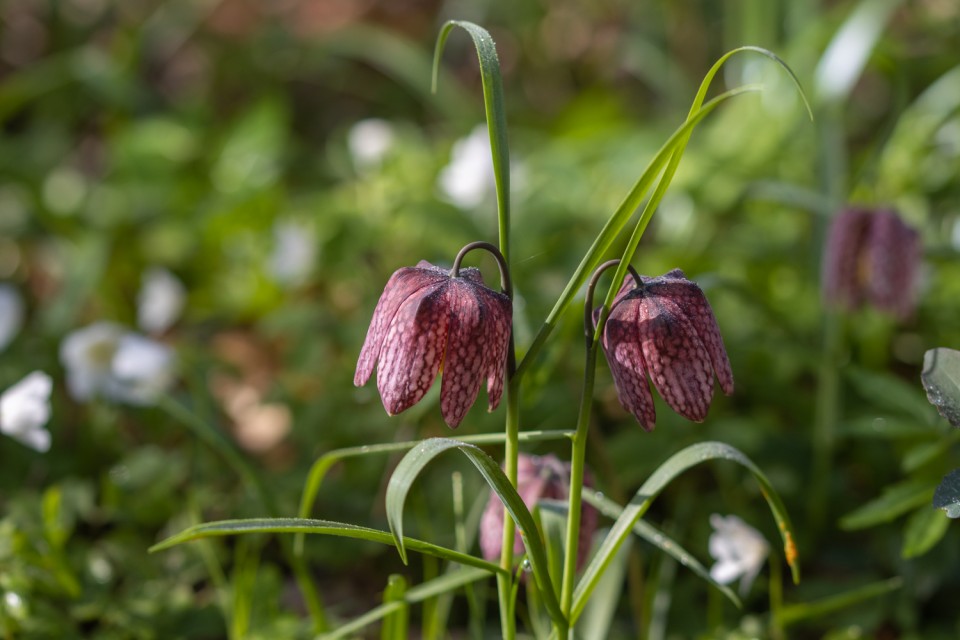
825,419
577,458
776,599
511,454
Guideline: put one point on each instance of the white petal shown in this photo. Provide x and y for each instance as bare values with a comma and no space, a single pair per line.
294,252
160,300
468,180
11,314
25,409
87,354
369,141
142,368
725,572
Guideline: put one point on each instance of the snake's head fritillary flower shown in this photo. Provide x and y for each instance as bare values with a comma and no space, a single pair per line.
538,478
428,320
739,549
25,410
872,256
665,329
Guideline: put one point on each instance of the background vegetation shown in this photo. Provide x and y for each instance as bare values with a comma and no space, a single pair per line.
181,134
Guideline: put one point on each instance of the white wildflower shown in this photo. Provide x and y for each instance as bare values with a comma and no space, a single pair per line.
369,141
11,314
25,410
739,549
294,252
160,301
469,180
107,360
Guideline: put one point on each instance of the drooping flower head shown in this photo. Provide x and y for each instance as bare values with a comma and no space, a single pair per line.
429,319
871,257
739,549
664,328
25,410
538,478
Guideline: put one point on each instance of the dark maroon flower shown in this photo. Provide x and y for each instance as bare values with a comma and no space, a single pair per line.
665,329
538,478
871,257
428,320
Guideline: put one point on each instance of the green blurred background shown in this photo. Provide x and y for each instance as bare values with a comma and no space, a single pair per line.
191,134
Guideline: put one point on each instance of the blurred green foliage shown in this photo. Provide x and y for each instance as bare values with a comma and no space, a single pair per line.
181,133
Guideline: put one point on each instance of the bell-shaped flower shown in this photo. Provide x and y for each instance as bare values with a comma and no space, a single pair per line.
25,410
11,314
160,300
872,257
428,320
106,359
739,549
538,478
665,329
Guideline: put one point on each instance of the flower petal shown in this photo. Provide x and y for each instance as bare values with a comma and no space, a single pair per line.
413,349
892,255
841,258
676,359
403,284
689,297
463,364
621,344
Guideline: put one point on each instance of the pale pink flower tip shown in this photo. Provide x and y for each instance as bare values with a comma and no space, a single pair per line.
426,321
665,329
538,478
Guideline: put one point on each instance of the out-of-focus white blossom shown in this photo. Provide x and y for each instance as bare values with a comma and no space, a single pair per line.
294,252
104,359
160,301
369,141
25,410
739,549
11,314
469,180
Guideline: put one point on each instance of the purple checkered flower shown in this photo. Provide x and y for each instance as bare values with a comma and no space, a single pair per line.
538,478
872,257
665,329
428,320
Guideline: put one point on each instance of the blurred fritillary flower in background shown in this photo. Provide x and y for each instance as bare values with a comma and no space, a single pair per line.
665,329
739,549
11,314
427,319
872,257
105,359
25,410
538,478
294,252
160,301
369,141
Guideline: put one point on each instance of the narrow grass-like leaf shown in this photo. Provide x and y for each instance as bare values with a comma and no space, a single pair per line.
662,541
941,379
414,462
890,392
443,584
318,527
895,501
396,622
323,464
925,527
496,115
842,63
595,622
818,608
617,222
665,473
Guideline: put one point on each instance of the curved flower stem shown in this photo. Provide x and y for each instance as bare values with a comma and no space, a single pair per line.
505,283
579,447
